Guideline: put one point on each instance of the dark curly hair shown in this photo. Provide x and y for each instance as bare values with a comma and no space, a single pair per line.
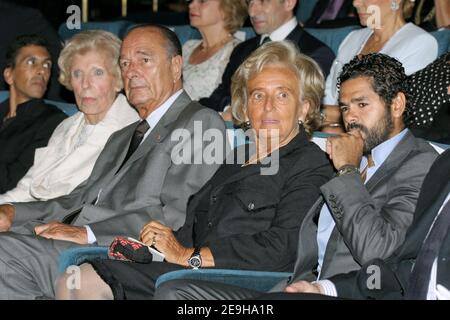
387,76
23,41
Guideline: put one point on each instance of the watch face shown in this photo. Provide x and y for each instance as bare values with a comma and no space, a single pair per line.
195,262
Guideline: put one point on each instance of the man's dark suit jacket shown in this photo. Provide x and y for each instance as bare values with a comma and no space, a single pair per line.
396,270
307,44
20,136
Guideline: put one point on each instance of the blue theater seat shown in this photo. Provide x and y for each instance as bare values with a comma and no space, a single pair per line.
67,108
118,28
256,280
332,37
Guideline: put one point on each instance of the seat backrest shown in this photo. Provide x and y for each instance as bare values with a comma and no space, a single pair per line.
443,39
117,28
332,37
3,95
186,32
67,108
245,33
305,9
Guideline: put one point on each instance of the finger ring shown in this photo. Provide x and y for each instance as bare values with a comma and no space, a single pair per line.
154,240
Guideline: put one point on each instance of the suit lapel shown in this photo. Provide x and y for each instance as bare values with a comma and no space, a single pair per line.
393,161
123,143
420,228
296,35
443,268
307,249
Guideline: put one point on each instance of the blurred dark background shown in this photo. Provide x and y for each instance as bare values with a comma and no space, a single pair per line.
169,11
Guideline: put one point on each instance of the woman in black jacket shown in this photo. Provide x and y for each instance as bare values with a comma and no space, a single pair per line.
248,215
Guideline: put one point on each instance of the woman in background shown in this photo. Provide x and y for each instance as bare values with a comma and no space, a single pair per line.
386,32
205,60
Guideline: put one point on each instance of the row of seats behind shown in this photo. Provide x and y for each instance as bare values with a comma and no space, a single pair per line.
331,37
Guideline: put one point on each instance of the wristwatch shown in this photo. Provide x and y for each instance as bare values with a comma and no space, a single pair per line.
346,169
195,261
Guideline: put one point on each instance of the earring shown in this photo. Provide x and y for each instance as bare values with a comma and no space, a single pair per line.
246,125
394,5
300,122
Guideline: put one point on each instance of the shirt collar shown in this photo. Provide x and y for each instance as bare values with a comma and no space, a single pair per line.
382,151
154,117
282,32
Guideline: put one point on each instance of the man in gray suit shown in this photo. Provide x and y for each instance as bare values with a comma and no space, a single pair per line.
134,180
365,211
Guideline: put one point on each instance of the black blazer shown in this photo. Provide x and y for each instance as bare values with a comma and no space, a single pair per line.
308,45
251,221
396,270
21,135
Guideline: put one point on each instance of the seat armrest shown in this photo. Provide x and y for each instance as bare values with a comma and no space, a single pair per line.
77,256
261,281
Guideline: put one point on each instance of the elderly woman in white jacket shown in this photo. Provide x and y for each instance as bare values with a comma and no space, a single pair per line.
88,66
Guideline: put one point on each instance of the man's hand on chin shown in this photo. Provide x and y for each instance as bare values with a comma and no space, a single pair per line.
60,231
7,214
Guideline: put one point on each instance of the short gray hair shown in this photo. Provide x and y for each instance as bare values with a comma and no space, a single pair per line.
285,53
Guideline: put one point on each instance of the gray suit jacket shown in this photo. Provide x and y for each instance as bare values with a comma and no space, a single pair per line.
149,186
371,219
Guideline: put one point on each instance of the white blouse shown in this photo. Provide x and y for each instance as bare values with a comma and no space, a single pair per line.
412,46
200,80
70,155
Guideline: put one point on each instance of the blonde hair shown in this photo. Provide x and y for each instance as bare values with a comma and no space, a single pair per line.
285,53
90,40
235,13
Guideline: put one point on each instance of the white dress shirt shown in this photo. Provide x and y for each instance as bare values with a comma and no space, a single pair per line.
281,32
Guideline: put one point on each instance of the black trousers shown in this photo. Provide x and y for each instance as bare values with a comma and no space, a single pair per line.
181,289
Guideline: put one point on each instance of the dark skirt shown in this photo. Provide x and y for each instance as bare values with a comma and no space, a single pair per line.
130,280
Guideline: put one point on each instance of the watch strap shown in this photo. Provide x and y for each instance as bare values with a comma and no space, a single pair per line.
346,169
